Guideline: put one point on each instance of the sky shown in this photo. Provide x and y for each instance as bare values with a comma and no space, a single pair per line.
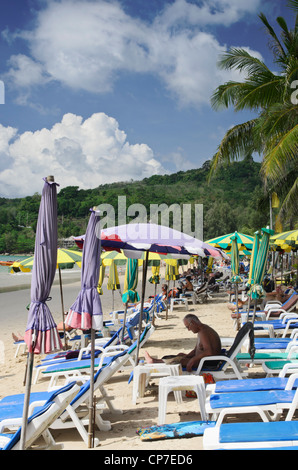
96,92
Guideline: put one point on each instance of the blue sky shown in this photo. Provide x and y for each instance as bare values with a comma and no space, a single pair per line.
102,91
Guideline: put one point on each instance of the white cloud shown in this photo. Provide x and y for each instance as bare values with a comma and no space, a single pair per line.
86,45
77,152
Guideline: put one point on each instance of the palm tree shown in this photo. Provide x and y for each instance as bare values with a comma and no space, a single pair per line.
273,133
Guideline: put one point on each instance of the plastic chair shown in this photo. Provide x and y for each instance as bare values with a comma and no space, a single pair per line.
177,384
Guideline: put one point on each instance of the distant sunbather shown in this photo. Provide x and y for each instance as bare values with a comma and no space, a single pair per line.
208,344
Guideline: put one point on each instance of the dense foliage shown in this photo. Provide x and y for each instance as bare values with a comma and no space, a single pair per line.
234,201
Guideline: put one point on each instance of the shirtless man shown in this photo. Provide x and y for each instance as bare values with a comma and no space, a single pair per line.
208,344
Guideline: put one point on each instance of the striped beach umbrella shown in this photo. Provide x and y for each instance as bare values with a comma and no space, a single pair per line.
66,259
130,282
257,291
253,258
172,272
225,241
287,241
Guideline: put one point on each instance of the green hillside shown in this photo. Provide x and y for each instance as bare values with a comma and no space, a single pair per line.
234,200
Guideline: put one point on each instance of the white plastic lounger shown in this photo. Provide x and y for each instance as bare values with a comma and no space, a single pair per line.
76,413
282,435
83,354
39,423
77,368
269,404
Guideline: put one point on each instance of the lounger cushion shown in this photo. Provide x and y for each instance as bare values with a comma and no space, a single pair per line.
265,356
228,400
258,432
253,385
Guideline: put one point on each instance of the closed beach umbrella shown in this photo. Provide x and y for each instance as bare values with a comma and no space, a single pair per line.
172,272
113,280
41,334
235,279
86,311
257,290
130,282
253,258
101,279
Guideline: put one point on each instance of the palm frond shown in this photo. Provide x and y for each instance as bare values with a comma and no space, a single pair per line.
289,206
275,43
242,60
237,142
282,152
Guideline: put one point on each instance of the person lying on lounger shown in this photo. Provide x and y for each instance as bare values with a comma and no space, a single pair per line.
208,344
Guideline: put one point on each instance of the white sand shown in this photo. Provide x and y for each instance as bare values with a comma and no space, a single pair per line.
170,337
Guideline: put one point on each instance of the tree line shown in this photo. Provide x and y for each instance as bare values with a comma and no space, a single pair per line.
234,201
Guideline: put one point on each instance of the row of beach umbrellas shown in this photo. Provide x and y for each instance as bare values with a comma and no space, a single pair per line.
41,335
137,241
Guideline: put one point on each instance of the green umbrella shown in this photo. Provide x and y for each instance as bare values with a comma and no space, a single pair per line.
257,291
235,279
225,241
130,284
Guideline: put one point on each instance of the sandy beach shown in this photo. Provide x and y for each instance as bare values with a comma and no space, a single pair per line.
170,337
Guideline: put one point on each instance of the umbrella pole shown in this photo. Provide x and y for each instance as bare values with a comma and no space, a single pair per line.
62,307
153,316
237,307
29,369
91,399
124,321
145,265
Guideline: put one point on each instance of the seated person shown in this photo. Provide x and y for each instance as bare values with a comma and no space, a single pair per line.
208,344
187,286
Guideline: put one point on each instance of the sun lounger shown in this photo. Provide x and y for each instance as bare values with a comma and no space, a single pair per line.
76,414
280,435
66,357
77,368
269,404
250,385
40,421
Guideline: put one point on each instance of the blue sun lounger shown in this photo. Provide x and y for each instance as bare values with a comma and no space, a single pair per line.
76,414
52,360
76,368
279,435
40,421
269,404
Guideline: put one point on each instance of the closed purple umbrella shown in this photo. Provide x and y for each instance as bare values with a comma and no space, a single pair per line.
41,334
86,311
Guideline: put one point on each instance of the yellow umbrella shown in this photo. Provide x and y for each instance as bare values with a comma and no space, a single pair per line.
101,279
113,281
